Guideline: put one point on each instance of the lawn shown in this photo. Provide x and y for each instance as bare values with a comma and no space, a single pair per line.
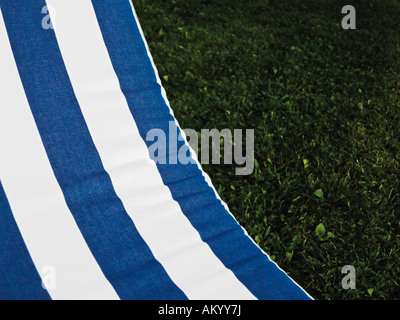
325,106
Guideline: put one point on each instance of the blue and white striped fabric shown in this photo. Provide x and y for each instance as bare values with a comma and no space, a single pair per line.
78,190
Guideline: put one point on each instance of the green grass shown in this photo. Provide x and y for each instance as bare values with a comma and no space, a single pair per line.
325,106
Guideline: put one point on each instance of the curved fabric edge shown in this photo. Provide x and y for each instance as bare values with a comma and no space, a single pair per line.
304,294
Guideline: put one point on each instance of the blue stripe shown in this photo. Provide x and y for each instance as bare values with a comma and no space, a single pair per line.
186,182
113,239
19,279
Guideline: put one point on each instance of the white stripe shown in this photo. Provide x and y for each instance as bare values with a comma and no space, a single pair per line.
46,224
189,261
193,154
